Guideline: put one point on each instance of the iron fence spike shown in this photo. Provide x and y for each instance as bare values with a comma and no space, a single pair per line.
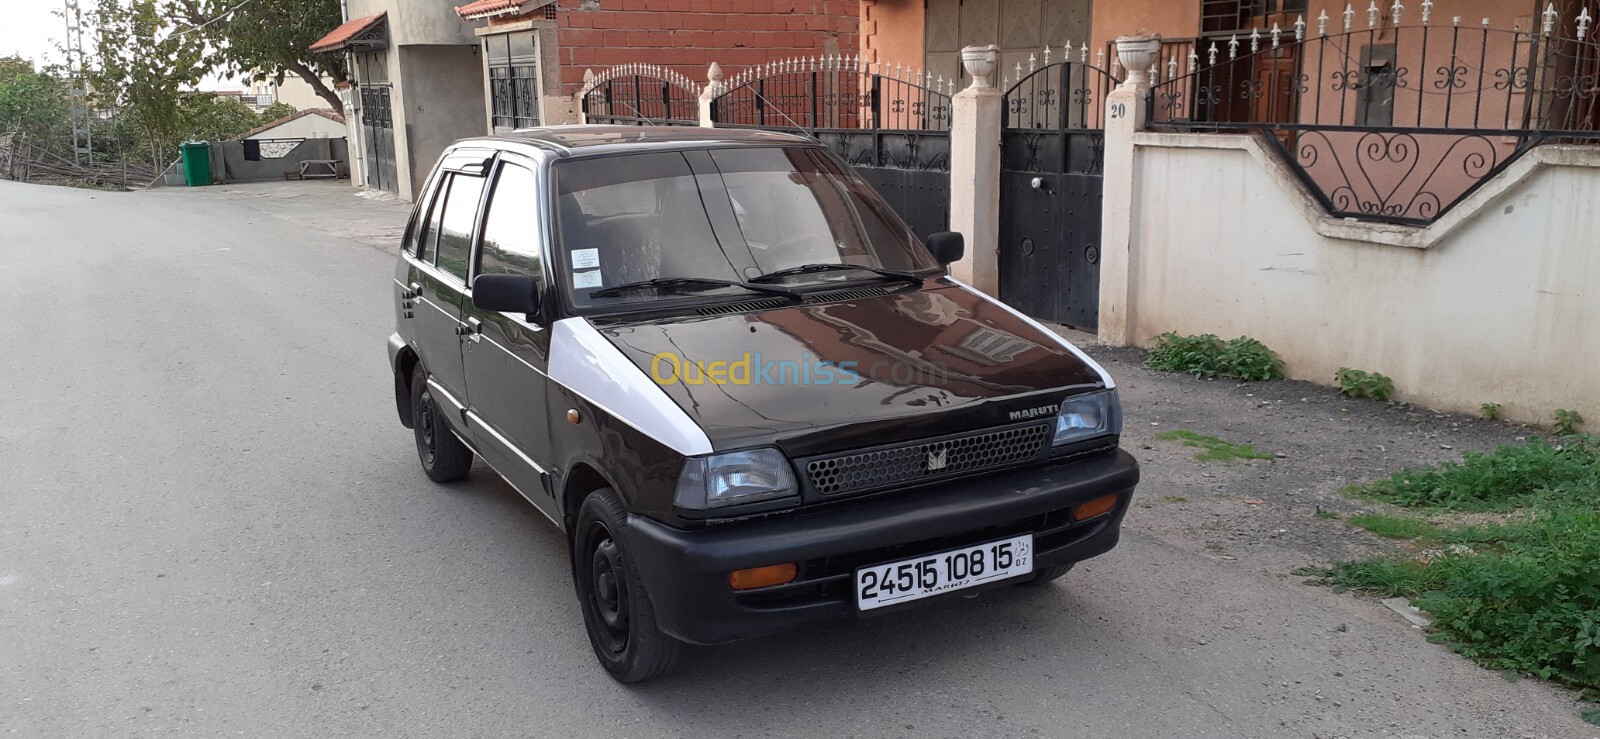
1276,34
1372,15
1194,60
1255,40
1485,22
1233,47
1349,16
1394,13
1211,55
1300,28
1455,21
1172,68
1083,55
1322,23
1583,22
1047,55
1427,11
1033,62
1550,17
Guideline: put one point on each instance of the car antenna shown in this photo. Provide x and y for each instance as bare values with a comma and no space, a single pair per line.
764,100
636,113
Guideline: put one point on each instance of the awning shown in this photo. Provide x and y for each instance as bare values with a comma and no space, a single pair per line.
487,8
357,34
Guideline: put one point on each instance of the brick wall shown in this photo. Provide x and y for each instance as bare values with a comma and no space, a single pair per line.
687,35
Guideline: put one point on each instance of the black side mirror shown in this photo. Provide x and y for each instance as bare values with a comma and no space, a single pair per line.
947,246
508,293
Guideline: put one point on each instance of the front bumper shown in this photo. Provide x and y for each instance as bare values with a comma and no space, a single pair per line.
686,572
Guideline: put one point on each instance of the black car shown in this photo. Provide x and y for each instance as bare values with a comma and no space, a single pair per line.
750,395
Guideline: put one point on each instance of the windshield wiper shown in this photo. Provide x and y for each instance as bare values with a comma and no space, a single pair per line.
689,284
803,269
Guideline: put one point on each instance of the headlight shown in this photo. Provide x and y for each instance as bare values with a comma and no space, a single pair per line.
737,477
1087,416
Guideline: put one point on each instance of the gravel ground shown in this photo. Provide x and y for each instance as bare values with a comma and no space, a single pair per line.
1263,512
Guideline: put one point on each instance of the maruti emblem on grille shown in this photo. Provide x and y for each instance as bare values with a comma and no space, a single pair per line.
937,459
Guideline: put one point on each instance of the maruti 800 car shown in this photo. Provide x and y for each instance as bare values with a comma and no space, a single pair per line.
742,386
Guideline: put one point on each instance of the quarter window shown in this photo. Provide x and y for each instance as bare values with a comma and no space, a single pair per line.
428,228
455,225
511,229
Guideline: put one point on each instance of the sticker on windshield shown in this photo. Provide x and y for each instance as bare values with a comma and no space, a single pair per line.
586,280
585,258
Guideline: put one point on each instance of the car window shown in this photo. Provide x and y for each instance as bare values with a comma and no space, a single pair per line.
429,228
511,228
455,224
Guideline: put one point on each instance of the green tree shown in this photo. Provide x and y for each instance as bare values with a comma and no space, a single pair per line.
208,117
275,112
33,103
143,63
269,39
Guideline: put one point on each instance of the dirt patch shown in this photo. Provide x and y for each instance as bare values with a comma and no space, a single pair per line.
1265,513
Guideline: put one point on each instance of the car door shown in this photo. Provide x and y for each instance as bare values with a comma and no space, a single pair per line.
506,355
438,277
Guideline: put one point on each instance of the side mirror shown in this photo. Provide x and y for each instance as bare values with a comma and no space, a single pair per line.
947,246
508,293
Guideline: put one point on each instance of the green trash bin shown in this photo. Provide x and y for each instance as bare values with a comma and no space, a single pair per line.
196,162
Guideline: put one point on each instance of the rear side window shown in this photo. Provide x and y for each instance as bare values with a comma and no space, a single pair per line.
511,229
455,224
428,228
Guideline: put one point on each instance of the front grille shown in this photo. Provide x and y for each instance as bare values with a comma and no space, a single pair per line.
926,460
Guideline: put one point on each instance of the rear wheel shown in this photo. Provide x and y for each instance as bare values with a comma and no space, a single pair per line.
616,609
444,458
1046,576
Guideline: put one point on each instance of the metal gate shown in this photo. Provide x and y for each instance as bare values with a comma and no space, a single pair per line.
640,95
377,124
1052,144
891,124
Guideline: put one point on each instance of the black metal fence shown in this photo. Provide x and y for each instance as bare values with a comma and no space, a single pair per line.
641,95
834,93
1390,122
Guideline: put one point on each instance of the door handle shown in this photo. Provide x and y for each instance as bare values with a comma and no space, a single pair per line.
473,330
416,291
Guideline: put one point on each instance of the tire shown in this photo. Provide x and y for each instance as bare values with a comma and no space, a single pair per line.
617,611
1046,576
444,458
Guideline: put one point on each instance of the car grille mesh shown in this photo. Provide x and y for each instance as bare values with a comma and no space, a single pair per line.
859,471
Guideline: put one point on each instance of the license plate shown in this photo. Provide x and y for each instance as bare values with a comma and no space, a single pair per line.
912,579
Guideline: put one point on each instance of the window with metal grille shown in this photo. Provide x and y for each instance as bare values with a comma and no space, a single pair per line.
513,79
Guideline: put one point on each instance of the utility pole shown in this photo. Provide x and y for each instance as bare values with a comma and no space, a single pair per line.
82,135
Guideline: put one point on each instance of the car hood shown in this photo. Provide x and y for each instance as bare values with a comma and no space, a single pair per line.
857,372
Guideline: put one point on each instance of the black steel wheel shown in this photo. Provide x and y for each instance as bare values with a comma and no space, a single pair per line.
1046,575
444,458
616,609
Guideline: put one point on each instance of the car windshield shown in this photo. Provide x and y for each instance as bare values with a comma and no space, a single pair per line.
724,214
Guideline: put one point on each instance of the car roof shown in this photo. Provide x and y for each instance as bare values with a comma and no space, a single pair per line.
596,139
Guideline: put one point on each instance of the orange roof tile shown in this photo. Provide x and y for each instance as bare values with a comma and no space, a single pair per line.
341,37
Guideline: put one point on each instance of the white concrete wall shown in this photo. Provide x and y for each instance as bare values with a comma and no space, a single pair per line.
305,127
1497,302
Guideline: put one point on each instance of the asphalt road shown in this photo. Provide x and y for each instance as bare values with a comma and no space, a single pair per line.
211,522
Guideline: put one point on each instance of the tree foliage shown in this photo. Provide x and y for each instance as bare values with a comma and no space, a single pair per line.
269,39
143,65
34,103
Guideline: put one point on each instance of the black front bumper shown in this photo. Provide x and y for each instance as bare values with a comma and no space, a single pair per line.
686,572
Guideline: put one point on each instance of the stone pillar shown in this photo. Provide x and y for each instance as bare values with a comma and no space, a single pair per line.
577,100
975,170
708,94
1125,116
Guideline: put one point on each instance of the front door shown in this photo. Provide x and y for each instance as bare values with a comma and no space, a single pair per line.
438,280
506,356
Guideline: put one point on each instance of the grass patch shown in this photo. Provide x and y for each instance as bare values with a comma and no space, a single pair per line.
1207,356
1212,448
1523,596
1326,514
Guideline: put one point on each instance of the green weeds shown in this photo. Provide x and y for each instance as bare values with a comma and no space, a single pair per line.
1362,384
1212,448
1207,357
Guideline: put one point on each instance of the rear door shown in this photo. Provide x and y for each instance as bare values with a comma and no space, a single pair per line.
438,274
506,355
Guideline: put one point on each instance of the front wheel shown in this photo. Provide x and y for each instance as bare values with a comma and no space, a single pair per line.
444,458
616,609
1046,576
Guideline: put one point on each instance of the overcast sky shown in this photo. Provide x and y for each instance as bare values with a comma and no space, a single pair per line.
32,29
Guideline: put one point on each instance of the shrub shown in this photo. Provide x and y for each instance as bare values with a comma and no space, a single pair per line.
1513,476
1490,411
1207,356
1361,384
1567,422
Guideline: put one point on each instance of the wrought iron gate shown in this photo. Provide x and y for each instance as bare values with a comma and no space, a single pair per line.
640,95
1052,141
891,124
377,124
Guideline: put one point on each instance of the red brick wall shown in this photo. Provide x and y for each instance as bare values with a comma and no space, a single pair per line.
688,35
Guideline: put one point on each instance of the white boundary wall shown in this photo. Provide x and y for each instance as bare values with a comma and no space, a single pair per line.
1497,302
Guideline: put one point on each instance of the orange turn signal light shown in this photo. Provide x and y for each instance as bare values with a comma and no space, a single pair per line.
762,577
1096,507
